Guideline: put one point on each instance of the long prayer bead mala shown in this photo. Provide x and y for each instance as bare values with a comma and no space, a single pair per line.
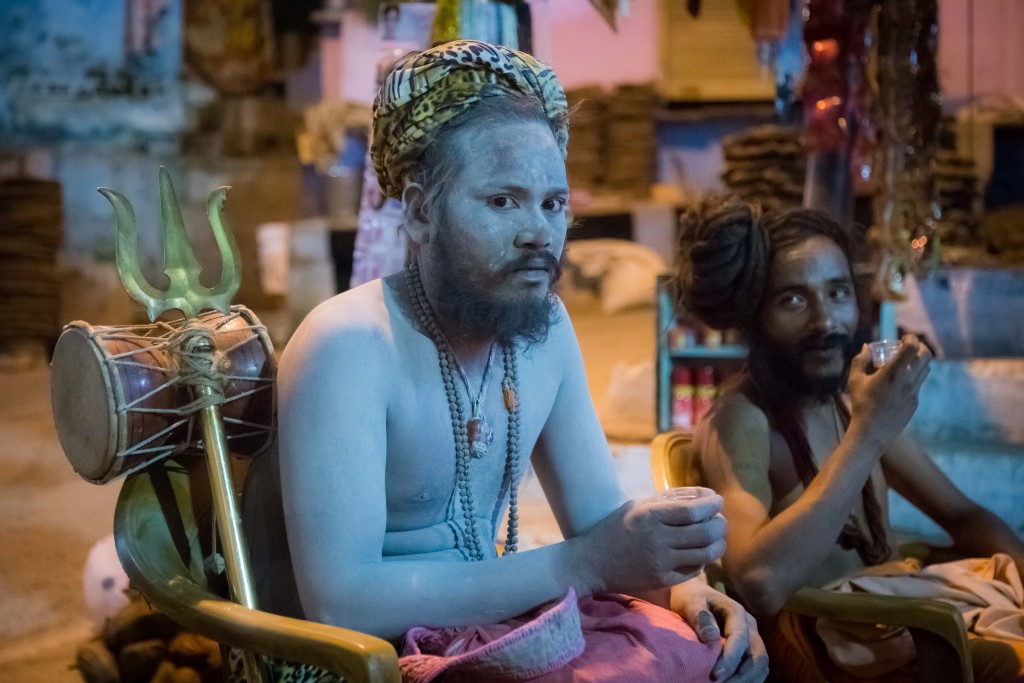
463,453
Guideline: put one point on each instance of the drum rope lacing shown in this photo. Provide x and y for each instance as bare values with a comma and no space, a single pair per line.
172,340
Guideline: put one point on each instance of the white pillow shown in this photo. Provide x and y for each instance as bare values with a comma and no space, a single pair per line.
627,271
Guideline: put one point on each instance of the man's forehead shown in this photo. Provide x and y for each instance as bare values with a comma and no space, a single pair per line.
814,260
521,154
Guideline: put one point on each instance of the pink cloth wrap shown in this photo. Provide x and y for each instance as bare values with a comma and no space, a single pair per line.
606,638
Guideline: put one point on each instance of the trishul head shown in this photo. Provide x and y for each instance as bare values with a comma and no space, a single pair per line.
185,292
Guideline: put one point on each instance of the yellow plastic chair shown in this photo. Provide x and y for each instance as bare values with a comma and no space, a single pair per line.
938,630
161,523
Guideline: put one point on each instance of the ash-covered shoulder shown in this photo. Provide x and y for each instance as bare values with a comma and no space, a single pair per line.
356,323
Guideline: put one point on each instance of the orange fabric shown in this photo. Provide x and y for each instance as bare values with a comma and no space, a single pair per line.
995,660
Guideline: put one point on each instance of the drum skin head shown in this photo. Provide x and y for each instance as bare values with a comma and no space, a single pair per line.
116,395
83,402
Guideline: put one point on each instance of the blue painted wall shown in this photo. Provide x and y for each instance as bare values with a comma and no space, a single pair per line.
90,70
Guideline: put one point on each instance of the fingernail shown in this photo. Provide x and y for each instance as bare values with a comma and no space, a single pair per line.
708,627
719,673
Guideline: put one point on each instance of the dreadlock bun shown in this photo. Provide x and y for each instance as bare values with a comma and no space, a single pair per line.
723,262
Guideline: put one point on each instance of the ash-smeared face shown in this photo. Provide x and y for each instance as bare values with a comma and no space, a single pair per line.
500,234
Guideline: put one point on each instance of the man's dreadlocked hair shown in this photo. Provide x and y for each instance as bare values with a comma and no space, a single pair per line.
726,247
725,252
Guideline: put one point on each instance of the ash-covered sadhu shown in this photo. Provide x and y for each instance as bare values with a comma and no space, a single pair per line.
410,407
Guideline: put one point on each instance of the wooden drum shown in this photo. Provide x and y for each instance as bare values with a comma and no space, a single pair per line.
117,398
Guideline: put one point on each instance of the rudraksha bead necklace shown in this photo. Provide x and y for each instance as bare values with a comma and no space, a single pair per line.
463,450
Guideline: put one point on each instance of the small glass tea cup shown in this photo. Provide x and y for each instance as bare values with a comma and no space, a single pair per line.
883,351
685,493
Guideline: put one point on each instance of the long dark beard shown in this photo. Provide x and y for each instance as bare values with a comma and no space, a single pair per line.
469,307
780,376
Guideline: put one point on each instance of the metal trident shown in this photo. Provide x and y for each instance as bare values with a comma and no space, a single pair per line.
185,292
189,296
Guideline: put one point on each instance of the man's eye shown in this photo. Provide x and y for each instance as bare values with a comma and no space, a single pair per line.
554,204
791,302
502,202
841,294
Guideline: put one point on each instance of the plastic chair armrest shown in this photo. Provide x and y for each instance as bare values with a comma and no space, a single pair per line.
358,657
149,557
925,619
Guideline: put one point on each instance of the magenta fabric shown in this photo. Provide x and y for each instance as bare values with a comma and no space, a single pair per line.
605,638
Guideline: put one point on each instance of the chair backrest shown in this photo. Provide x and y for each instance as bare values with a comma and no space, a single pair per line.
163,532
674,461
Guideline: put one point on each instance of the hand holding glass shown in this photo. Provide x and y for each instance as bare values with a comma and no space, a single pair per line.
884,351
685,493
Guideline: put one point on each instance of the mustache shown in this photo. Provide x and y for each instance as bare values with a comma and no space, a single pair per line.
818,342
541,260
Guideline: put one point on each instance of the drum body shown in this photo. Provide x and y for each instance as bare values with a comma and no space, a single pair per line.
117,395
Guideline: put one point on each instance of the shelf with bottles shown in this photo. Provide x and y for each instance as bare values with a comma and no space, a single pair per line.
690,339
692,361
692,391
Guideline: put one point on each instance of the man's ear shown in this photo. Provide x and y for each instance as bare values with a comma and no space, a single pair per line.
414,213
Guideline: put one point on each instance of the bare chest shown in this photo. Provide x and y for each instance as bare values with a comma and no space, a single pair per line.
823,431
789,471
424,424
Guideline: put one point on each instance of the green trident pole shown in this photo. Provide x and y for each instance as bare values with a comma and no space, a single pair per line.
187,295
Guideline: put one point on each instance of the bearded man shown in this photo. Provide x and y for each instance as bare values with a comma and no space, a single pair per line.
804,444
410,407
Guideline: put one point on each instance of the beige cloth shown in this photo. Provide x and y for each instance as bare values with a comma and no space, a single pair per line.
986,591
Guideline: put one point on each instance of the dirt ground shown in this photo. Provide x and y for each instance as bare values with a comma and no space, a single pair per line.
49,520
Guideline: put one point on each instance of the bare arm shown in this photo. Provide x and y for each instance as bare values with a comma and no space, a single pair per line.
332,420
575,468
976,532
572,442
768,559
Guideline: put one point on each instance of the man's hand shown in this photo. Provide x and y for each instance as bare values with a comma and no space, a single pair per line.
713,615
883,401
652,543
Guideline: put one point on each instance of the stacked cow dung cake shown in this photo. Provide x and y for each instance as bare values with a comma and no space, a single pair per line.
631,140
585,162
630,163
31,220
767,165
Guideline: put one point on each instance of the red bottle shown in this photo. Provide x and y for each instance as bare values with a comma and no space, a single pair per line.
705,393
682,398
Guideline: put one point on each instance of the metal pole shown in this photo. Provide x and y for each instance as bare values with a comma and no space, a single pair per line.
225,503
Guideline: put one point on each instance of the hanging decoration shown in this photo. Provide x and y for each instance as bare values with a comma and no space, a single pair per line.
769,24
836,105
446,22
608,8
907,108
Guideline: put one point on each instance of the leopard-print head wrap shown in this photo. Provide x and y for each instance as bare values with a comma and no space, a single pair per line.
427,89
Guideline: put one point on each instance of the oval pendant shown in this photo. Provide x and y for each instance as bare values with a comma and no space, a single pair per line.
480,436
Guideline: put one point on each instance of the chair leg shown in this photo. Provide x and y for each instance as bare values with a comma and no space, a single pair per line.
792,656
937,660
